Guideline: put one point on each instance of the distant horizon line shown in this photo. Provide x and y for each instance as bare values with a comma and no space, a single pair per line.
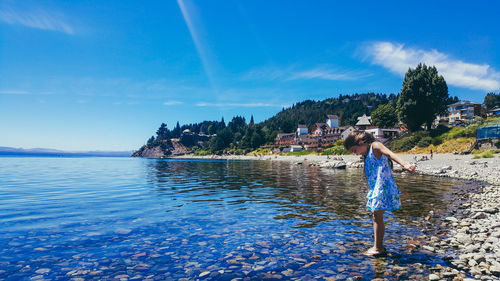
54,150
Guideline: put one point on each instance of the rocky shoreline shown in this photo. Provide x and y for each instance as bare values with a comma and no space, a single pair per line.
467,235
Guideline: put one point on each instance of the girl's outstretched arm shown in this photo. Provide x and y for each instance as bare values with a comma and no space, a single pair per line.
387,152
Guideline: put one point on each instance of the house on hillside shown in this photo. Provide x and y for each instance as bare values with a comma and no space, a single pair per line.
383,135
329,132
495,111
284,139
308,141
346,130
302,130
363,122
332,121
463,110
441,120
320,129
320,135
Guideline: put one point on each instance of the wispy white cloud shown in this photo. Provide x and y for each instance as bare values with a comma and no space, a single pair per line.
292,73
255,104
172,102
39,19
328,74
398,58
13,92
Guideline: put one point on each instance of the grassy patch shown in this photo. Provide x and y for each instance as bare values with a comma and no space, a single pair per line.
202,152
260,151
448,146
492,121
335,150
486,154
300,153
461,132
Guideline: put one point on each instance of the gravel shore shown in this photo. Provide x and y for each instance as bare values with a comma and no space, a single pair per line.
471,224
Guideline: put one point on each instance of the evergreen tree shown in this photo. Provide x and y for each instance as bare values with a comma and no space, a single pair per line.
251,120
150,141
176,132
491,100
353,110
162,132
452,100
384,116
424,95
217,145
222,140
211,129
237,124
257,138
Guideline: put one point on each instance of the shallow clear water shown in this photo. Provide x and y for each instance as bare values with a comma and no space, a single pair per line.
126,218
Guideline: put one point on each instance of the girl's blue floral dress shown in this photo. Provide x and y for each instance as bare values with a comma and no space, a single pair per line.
383,194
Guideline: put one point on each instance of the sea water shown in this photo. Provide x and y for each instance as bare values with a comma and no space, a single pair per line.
99,218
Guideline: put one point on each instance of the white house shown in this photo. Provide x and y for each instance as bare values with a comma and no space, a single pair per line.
383,135
302,130
347,131
295,148
364,120
332,121
320,129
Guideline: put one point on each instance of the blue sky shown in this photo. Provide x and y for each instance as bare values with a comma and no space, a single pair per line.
103,75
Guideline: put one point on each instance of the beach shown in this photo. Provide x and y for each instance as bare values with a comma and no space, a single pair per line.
467,233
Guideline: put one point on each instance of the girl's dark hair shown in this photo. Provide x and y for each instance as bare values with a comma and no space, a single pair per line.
358,137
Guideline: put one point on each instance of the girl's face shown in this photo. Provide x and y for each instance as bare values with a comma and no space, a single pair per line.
361,149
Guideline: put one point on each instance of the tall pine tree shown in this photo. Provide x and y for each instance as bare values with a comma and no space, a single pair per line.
423,96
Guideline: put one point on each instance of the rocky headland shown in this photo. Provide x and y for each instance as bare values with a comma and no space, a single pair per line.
169,149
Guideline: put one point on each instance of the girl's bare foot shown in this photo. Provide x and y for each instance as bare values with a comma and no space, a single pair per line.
374,252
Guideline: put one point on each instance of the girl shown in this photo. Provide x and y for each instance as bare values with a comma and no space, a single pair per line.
383,194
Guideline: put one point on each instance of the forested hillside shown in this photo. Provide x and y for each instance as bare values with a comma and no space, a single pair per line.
239,136
308,112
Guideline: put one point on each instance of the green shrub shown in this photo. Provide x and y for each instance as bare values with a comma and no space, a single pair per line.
405,143
339,150
461,132
437,140
424,142
299,153
421,134
439,131
492,121
330,145
486,154
202,152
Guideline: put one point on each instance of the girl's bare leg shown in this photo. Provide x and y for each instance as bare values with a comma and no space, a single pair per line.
379,231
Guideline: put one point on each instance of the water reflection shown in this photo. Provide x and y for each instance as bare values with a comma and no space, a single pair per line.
307,194
96,219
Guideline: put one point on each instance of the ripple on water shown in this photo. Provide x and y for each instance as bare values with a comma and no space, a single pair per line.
99,218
